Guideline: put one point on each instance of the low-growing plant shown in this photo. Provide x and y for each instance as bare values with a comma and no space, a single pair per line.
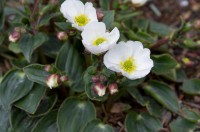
99,66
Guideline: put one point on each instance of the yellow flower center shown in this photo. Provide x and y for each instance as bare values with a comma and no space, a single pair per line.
81,20
128,65
98,41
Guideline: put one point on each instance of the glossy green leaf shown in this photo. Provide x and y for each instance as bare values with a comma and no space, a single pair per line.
30,102
160,29
105,4
154,108
4,120
45,106
142,122
21,122
97,126
36,73
125,82
163,94
13,87
182,125
14,47
63,25
69,60
163,63
108,18
74,114
89,85
47,123
190,114
29,43
46,19
176,75
191,86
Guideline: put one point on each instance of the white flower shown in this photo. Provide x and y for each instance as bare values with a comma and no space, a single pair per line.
138,3
130,59
53,81
99,89
78,14
97,40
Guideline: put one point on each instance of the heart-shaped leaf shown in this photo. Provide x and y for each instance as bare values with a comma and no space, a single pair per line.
74,114
13,87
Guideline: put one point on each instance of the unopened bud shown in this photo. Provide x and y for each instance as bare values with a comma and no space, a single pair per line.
95,79
100,14
53,81
138,3
62,35
99,89
113,88
47,68
14,36
63,78
102,78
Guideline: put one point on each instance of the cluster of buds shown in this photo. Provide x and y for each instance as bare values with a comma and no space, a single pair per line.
16,34
62,36
100,88
54,80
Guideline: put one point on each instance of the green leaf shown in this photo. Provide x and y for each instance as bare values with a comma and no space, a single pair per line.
142,122
46,19
154,108
74,114
36,73
63,25
160,29
182,125
163,63
21,122
108,18
69,60
14,47
125,82
97,126
47,123
190,115
89,85
176,75
30,102
191,86
29,43
163,94
13,87
45,106
2,14
4,120
104,4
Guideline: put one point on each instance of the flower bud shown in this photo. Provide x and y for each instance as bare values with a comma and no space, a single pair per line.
102,78
14,36
62,35
47,68
53,81
113,88
99,89
63,78
100,14
138,3
95,79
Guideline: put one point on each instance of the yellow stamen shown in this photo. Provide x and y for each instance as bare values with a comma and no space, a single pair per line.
81,20
98,41
128,65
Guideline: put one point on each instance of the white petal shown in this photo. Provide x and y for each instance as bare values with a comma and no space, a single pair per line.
137,74
93,30
109,64
135,46
113,36
72,8
90,11
143,60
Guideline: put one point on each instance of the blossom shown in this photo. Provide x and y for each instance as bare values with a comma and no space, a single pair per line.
78,14
97,40
99,89
138,3
53,81
113,88
130,59
14,36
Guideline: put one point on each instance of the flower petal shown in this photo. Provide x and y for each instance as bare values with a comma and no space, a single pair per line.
90,11
137,74
113,36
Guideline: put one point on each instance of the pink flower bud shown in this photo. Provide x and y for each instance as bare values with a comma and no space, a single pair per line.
63,78
100,14
53,81
62,35
14,36
99,89
95,79
47,68
113,88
